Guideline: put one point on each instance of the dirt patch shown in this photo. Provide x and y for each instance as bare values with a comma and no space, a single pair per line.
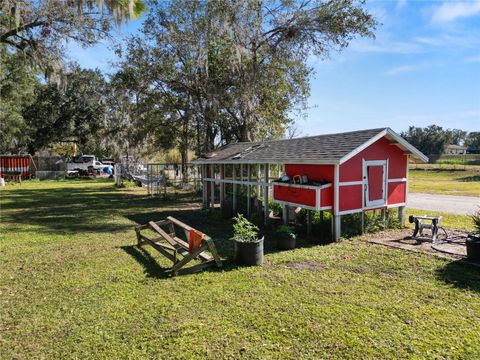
303,265
454,248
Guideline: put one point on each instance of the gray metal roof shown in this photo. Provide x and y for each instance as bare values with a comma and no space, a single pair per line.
320,149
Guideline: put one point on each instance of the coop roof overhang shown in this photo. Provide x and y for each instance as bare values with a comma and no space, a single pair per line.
331,149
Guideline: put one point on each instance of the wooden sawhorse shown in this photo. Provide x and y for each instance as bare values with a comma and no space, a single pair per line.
177,250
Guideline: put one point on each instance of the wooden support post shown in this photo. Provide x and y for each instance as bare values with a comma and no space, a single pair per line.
212,187
309,222
164,185
337,221
401,215
285,210
336,218
204,187
362,217
265,196
249,192
258,179
234,186
384,218
222,187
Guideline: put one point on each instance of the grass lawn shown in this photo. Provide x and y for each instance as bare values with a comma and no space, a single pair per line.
465,183
74,285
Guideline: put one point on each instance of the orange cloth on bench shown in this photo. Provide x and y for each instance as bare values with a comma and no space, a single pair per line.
195,240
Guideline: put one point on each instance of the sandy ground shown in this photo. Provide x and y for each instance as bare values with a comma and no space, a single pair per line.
463,205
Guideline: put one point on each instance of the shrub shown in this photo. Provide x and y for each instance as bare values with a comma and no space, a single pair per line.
476,221
244,230
275,207
286,231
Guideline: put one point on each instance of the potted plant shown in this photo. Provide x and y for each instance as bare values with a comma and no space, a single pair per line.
286,237
248,247
473,239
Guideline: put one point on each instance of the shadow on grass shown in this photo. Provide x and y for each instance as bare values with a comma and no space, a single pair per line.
150,265
469,178
461,275
81,209
212,224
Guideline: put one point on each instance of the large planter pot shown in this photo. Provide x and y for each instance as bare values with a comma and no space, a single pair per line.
473,247
286,242
249,253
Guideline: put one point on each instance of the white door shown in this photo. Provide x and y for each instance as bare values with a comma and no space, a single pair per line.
375,182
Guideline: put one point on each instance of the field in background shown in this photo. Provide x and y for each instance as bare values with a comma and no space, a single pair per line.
446,182
74,285
451,162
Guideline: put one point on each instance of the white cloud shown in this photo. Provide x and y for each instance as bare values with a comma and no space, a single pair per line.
400,4
473,59
450,11
401,70
387,48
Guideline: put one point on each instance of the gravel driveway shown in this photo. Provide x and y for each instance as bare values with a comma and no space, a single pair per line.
464,205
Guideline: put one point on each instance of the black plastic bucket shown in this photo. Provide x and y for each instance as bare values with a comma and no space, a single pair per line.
249,253
285,242
473,248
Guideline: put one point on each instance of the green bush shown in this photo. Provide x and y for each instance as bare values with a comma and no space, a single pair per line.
275,207
286,231
244,230
351,223
476,221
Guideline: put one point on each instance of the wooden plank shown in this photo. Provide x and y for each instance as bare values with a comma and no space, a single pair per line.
213,250
146,226
162,233
188,258
139,237
159,248
184,245
157,241
179,223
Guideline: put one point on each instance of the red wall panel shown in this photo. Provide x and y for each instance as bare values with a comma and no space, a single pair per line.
295,195
326,196
313,172
350,197
380,150
396,192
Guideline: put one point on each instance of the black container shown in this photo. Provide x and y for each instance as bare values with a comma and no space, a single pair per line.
473,248
249,253
285,242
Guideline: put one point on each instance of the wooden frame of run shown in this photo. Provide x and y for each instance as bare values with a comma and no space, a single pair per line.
172,247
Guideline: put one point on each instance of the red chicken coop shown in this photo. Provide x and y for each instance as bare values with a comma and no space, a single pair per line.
342,173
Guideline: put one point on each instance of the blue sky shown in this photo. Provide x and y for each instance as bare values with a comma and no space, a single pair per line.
423,68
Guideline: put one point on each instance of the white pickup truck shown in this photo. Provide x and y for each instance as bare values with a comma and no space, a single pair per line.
82,163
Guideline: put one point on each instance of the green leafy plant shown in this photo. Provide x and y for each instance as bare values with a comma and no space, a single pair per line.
286,231
275,207
476,222
244,230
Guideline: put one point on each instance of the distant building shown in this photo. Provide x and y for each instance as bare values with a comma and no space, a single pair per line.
455,150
